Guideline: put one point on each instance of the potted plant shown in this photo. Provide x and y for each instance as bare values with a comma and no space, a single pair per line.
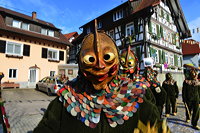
158,65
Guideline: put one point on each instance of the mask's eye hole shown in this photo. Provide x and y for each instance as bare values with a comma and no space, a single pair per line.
88,59
122,61
131,63
109,57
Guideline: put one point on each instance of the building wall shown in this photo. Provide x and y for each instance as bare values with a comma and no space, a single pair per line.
23,64
191,59
69,70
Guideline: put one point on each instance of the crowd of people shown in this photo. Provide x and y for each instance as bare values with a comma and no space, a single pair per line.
110,96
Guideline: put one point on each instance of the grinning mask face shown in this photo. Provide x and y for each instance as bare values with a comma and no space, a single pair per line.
128,61
98,60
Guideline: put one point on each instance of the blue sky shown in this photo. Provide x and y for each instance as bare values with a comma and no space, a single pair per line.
69,15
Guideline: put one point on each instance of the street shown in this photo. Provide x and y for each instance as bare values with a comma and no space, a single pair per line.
25,108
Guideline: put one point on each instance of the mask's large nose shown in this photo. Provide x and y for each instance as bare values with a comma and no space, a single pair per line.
100,64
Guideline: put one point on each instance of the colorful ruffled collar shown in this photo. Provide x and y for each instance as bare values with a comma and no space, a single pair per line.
119,101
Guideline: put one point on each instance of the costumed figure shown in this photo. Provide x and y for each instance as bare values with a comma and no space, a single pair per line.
172,91
3,117
191,97
129,68
158,92
128,63
99,99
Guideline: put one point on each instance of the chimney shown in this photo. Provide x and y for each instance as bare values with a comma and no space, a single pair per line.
34,15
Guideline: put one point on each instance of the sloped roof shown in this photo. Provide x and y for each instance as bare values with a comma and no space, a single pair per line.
174,6
72,34
146,3
180,21
3,11
23,16
190,49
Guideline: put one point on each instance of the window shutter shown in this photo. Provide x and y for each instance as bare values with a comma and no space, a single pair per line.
161,32
138,53
136,26
167,17
162,13
163,56
44,52
56,34
150,27
2,46
31,27
160,56
158,31
9,21
175,60
174,39
26,51
151,51
37,28
61,55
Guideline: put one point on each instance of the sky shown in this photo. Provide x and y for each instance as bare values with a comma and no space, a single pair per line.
69,15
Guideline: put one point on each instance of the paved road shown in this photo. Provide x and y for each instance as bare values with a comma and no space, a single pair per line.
25,108
177,123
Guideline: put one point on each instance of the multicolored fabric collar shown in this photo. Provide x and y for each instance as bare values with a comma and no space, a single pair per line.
151,78
119,101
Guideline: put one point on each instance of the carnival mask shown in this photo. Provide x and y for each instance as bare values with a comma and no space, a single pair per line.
98,60
193,74
128,61
168,76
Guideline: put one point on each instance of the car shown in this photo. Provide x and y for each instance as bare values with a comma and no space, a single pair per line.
50,85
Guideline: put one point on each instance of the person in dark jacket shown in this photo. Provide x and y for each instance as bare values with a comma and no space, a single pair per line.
172,91
99,100
191,97
158,92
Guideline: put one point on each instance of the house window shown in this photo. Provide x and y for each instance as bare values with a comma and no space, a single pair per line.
53,54
117,35
52,73
25,26
51,33
16,24
44,31
88,30
171,59
118,15
111,34
154,28
99,25
166,58
129,29
14,48
155,56
12,73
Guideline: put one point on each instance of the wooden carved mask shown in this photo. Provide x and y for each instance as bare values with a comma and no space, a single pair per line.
98,60
128,61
